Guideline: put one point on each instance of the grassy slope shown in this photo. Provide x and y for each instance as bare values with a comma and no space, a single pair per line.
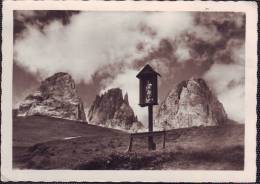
38,143
31,130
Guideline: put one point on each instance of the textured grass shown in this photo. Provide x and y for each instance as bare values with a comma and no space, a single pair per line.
39,144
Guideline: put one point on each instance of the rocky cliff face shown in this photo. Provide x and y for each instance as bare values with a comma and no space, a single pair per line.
56,97
113,111
190,104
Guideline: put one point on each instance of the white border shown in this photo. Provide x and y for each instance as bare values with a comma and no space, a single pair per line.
249,173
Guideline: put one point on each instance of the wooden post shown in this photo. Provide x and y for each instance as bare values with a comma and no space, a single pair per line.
130,143
164,137
151,144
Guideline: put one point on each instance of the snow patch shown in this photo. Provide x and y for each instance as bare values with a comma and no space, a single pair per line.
68,138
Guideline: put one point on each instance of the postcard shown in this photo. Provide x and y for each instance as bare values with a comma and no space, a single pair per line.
129,91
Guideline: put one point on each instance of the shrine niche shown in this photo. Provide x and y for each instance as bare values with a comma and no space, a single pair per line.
148,90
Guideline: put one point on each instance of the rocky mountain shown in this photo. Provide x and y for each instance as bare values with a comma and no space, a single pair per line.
112,110
56,97
190,103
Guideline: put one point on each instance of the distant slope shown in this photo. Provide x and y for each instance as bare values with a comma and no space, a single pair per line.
44,147
28,131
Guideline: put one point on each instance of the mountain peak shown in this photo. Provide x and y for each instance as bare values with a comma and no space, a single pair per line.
191,103
56,97
126,99
112,110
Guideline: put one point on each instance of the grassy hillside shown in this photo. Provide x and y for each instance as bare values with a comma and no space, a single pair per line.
28,131
38,143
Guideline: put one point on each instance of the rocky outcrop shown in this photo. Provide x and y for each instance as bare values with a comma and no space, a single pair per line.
113,111
190,104
56,97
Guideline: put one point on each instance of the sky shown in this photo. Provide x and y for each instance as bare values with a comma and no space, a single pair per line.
103,50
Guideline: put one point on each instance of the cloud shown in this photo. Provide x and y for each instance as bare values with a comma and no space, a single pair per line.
167,24
23,15
233,101
161,66
227,77
227,81
183,54
92,40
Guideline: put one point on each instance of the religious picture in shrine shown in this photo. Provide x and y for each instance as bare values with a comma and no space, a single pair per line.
149,92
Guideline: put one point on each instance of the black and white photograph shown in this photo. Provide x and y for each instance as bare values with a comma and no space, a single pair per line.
134,90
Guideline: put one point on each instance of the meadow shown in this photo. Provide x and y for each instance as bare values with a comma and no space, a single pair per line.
50,143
